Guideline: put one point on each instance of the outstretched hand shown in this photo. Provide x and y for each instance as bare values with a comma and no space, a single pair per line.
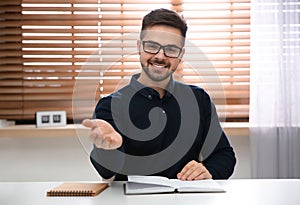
103,135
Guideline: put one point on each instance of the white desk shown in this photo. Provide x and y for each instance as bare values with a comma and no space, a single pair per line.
239,192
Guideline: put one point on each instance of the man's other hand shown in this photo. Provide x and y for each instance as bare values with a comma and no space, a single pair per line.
194,171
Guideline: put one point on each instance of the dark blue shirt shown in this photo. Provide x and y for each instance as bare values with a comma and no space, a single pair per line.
161,135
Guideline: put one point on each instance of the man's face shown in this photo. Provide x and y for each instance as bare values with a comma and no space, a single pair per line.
159,65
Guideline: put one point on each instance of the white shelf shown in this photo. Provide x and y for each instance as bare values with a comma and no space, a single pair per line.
73,130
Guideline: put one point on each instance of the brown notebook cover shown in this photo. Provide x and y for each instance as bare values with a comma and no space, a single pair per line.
77,189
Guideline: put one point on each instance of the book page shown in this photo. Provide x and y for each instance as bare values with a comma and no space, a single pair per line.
155,180
141,188
207,185
157,184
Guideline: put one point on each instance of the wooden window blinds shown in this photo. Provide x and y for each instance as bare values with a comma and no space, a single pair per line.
51,52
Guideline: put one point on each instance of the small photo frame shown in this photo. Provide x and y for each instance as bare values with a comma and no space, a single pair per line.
45,119
51,118
56,118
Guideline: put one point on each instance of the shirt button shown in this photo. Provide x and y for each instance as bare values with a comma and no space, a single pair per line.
150,97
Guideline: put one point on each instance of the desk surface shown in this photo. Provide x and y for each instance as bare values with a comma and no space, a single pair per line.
254,192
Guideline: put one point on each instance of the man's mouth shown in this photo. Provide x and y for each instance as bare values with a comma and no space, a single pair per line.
158,66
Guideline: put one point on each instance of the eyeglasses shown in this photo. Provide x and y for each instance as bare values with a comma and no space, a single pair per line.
171,51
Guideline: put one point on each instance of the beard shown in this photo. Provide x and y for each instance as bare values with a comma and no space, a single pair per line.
156,75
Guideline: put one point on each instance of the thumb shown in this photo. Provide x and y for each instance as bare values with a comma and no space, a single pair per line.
89,123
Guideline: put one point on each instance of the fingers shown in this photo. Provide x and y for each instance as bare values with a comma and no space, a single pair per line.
102,141
194,171
90,123
95,134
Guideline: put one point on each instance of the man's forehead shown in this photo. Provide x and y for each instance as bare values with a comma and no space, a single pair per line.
162,37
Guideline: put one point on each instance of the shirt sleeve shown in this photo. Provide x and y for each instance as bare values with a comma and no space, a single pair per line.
218,155
100,157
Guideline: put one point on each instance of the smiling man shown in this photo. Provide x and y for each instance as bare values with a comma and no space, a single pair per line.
156,125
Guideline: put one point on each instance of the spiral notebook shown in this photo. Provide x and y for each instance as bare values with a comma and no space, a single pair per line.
77,189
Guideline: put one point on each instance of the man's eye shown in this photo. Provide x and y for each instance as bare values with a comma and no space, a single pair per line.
171,49
153,46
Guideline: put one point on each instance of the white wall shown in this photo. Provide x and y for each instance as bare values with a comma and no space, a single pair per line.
241,145
64,159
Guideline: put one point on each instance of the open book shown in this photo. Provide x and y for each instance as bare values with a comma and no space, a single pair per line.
158,184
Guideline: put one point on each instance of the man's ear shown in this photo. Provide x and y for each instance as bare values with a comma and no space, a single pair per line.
138,46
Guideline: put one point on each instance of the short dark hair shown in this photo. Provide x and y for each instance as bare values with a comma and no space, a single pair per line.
164,17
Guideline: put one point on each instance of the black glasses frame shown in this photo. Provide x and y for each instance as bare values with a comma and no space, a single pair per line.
162,47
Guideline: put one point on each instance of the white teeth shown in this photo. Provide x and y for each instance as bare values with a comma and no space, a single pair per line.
159,66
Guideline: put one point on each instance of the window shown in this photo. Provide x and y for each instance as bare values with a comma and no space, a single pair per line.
51,50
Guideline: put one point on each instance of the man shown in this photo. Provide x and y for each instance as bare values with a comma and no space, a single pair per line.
156,125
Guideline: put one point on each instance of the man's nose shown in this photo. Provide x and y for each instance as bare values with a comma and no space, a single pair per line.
160,54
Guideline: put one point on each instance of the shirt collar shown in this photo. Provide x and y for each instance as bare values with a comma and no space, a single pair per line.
146,91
